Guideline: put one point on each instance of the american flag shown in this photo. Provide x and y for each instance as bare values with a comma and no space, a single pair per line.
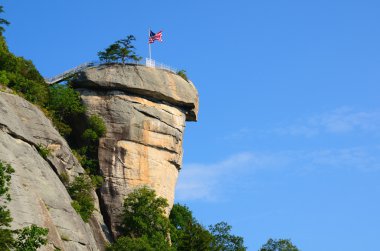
155,36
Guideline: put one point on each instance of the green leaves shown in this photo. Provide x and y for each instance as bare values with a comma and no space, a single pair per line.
182,74
223,239
2,21
122,50
279,245
145,226
144,214
80,191
31,238
65,102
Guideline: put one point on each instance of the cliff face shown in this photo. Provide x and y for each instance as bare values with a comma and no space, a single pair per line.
38,195
145,111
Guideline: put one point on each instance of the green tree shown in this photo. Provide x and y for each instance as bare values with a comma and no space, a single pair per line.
279,245
144,224
194,237
126,49
109,54
65,105
144,214
2,21
223,240
122,50
65,102
186,233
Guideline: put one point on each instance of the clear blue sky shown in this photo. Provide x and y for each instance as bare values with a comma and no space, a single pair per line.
287,142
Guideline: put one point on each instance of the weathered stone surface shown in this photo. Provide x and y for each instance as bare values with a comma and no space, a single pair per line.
38,196
142,146
161,85
145,110
23,120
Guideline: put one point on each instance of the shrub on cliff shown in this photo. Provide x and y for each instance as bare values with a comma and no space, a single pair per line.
182,74
80,191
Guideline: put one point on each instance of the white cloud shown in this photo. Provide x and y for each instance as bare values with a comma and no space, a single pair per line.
339,121
201,181
210,181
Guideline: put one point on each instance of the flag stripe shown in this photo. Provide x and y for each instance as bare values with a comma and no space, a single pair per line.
155,36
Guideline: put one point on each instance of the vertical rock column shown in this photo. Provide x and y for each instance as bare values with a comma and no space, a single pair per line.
144,110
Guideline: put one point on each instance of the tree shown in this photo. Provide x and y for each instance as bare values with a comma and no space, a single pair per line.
144,224
186,233
2,21
65,105
109,54
223,240
126,49
279,245
194,237
144,214
122,50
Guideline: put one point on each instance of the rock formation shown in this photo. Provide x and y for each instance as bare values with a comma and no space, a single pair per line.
145,110
38,195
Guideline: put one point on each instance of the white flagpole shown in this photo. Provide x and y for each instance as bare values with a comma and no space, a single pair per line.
150,50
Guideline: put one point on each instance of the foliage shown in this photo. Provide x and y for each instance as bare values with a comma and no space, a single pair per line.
194,237
279,245
182,74
144,214
31,238
144,243
144,224
43,151
96,129
186,232
180,216
223,240
2,21
65,101
20,74
122,50
80,191
6,235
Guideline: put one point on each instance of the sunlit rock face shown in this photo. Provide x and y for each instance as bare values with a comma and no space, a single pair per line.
38,195
145,111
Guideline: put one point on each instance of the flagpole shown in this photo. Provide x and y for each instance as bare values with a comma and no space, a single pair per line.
150,50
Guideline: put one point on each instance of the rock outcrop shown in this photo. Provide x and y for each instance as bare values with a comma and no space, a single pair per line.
145,111
38,195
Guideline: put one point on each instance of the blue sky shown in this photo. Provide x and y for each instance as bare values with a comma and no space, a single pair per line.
287,142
